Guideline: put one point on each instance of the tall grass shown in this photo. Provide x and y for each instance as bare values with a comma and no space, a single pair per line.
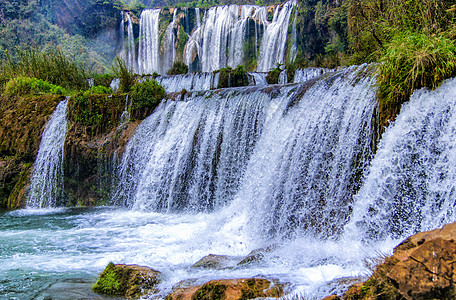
124,73
50,65
412,61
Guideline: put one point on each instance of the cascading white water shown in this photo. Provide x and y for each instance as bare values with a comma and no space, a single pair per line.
128,49
272,49
190,155
218,40
148,50
170,47
411,183
306,166
46,184
303,75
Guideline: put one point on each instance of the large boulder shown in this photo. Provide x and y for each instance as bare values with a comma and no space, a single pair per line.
423,267
129,281
216,262
230,289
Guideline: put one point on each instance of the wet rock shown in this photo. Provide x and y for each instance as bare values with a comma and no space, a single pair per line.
423,267
130,281
216,262
332,297
230,289
256,256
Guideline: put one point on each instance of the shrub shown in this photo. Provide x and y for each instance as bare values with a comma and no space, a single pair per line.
31,86
98,89
411,61
51,66
145,96
125,74
178,68
103,79
232,78
273,76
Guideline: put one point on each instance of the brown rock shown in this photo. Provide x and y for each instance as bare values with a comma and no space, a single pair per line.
428,272
230,289
130,281
332,297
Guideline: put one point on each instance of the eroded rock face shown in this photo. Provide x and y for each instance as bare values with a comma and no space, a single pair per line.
230,289
423,267
130,281
426,265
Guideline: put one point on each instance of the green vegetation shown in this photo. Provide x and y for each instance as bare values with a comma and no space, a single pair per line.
103,79
178,68
50,65
109,281
411,61
145,96
125,74
273,75
210,291
233,77
21,86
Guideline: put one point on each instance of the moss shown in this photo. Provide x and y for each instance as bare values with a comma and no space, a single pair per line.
145,96
131,281
210,291
109,281
233,77
273,76
16,198
178,68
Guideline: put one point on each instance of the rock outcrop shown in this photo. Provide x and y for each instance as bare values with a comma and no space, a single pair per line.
422,267
129,281
230,289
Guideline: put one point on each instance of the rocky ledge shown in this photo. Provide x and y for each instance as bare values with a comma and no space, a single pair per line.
422,267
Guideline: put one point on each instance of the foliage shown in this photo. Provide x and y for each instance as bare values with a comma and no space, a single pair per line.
145,96
411,61
109,281
103,79
373,23
124,73
178,68
50,65
273,75
97,90
20,86
233,77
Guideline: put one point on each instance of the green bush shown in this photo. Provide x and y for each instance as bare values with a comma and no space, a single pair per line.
273,76
178,68
233,77
50,65
98,89
411,61
145,96
103,79
32,86
125,74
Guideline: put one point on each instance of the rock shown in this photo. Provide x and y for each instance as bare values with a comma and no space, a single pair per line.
130,281
332,297
257,255
216,262
423,267
230,289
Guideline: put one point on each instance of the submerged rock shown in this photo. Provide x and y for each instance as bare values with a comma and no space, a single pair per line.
217,262
422,267
230,289
131,281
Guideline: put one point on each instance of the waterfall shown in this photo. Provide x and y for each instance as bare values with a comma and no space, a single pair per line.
218,40
47,178
148,52
170,47
411,184
190,155
130,53
273,43
292,155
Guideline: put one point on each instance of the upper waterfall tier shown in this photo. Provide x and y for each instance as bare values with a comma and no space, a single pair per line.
222,36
